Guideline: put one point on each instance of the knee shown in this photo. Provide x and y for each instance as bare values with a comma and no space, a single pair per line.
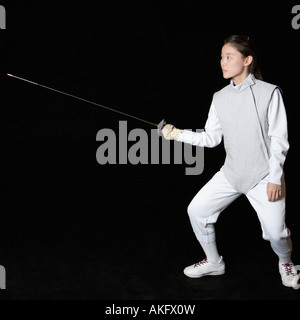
276,235
274,238
192,210
195,209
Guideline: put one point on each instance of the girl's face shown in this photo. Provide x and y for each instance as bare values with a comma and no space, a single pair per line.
233,63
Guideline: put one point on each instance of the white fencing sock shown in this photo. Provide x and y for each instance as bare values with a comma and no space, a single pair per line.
211,251
283,248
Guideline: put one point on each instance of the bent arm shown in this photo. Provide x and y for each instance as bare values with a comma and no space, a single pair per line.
278,134
211,137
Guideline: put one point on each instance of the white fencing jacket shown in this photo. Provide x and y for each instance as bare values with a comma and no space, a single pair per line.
251,118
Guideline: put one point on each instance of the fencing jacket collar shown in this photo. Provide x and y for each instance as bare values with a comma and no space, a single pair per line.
249,81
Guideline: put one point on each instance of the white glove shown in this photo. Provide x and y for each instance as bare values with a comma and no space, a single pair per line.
170,132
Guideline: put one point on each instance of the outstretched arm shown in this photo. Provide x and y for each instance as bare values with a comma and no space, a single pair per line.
211,137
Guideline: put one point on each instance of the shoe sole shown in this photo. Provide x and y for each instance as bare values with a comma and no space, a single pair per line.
215,273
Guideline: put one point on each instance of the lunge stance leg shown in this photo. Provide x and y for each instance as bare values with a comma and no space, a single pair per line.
272,219
204,211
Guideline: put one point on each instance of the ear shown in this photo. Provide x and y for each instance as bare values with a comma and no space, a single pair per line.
248,61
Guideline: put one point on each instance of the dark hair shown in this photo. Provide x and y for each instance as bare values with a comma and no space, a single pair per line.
246,47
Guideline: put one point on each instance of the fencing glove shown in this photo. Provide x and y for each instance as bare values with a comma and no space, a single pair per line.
170,132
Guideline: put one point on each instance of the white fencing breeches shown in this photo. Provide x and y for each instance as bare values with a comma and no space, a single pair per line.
218,194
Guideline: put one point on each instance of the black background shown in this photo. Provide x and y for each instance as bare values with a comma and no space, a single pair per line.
73,229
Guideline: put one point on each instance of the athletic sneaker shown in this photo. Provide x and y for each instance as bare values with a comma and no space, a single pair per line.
205,268
288,273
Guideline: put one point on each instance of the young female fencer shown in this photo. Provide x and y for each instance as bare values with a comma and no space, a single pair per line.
250,115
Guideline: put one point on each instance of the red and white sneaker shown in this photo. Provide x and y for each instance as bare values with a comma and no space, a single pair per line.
205,268
288,274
